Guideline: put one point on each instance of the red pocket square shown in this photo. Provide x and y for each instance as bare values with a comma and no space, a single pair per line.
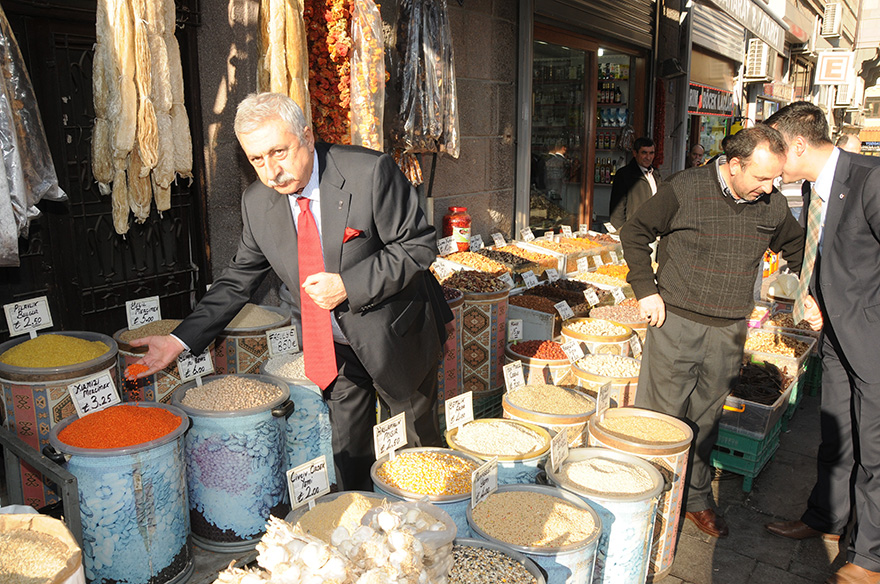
350,234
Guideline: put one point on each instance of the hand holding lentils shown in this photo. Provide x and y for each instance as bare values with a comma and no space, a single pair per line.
231,393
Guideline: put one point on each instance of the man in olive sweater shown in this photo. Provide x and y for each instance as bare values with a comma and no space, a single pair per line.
714,223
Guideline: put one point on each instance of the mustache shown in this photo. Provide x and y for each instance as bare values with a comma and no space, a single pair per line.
281,180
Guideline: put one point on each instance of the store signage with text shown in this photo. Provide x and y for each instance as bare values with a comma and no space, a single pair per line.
833,67
709,101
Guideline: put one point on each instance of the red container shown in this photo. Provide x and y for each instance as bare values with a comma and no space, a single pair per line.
457,223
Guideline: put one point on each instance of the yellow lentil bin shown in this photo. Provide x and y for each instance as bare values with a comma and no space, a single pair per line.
428,473
53,351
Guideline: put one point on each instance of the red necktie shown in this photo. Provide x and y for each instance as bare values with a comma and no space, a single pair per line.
317,333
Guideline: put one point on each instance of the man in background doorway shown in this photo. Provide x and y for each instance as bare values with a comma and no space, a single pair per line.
635,183
696,156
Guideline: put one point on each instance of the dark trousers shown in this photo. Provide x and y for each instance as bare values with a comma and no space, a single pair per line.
351,400
848,460
687,371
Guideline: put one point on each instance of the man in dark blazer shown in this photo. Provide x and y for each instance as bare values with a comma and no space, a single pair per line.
846,285
634,184
388,313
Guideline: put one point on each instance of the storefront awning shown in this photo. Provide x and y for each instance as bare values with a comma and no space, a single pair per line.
764,25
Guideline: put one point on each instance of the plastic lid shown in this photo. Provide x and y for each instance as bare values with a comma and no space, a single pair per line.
458,209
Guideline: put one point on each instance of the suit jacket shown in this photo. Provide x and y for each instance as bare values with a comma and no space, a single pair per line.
848,271
628,191
395,312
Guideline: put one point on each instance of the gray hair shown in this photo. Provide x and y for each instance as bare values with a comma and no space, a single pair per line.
258,108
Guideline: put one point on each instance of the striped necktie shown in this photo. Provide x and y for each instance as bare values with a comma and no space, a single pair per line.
811,246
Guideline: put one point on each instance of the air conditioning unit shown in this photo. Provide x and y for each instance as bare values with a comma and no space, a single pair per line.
831,21
758,61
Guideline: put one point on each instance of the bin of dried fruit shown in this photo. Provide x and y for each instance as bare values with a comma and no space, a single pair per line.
474,282
542,361
477,261
786,351
758,400
542,259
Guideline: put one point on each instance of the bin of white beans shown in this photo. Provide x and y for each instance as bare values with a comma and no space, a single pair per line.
597,336
520,447
594,371
555,408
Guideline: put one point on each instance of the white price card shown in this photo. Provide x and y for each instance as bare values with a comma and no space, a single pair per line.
514,329
193,366
282,341
459,410
476,242
603,400
498,239
583,228
597,260
583,264
610,228
507,279
529,279
591,296
635,345
573,350
308,481
526,234
513,375
142,311
442,270
548,235
484,481
564,310
28,316
566,230
558,449
618,294
552,274
614,258
447,245
389,436
93,393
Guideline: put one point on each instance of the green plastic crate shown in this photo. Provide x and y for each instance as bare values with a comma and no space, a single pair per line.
488,407
745,446
749,469
813,375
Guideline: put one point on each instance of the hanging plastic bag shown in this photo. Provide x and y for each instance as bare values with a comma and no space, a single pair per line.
367,76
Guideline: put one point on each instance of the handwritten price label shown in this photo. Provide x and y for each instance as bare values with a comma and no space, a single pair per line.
558,450
566,230
613,256
526,234
389,436
635,345
513,375
591,296
191,366
583,228
447,245
459,410
282,341
610,228
597,260
442,270
507,279
548,235
583,264
603,400
552,274
308,481
142,311
484,481
28,316
573,350
476,242
529,279
514,329
93,393
564,310
618,294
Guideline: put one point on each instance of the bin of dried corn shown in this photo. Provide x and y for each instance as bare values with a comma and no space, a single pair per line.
598,337
594,371
242,346
552,407
520,447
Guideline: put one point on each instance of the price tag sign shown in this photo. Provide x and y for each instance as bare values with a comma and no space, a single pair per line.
529,279
635,345
514,329
583,228
447,245
308,481
142,311
499,240
591,296
564,310
597,260
507,279
442,270
552,274
282,341
573,350
548,235
459,410
484,481
389,436
610,228
28,316
614,258
527,234
583,264
513,375
93,393
603,399
192,366
566,230
558,450
476,242
618,294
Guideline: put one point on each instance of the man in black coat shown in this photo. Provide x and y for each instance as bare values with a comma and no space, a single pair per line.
634,184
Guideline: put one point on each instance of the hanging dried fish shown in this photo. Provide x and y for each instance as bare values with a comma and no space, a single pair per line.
179,117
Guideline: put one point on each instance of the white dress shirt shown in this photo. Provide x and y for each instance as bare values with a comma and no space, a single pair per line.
649,175
822,188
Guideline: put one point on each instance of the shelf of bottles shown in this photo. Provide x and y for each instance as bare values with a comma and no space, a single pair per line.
612,115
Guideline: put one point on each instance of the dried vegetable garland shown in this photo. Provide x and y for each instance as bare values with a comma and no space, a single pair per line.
284,64
367,76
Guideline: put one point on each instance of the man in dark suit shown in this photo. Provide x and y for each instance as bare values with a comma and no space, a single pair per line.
846,285
384,309
634,184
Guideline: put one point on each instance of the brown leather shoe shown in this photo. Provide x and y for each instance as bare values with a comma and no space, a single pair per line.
798,530
708,522
852,574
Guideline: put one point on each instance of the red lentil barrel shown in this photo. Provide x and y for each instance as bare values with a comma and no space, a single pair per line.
36,399
243,348
542,361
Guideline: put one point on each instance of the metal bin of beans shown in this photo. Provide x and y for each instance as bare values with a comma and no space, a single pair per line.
624,491
598,337
555,408
157,387
543,362
558,530
449,377
483,562
521,447
235,457
308,434
440,474
38,549
242,346
788,352
663,441
128,460
594,371
34,375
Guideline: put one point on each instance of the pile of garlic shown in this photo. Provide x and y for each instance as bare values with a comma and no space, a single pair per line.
394,546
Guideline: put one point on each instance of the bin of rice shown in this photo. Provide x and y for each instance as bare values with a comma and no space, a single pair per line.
623,490
34,375
449,377
597,336
483,562
440,474
663,441
235,457
157,387
308,434
242,346
38,549
543,361
555,528
555,408
519,446
128,460
594,371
